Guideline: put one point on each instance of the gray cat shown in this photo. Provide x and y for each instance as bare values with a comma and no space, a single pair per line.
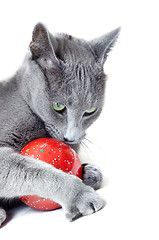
58,92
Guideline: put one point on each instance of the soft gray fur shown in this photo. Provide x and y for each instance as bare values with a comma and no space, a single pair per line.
60,69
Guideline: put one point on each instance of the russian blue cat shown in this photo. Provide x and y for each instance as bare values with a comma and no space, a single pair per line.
58,92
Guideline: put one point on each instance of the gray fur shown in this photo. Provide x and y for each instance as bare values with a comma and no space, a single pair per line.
56,68
92,176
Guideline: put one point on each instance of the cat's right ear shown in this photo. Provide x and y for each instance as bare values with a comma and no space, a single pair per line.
102,45
41,47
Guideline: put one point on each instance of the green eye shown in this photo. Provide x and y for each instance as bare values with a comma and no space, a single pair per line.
91,110
58,107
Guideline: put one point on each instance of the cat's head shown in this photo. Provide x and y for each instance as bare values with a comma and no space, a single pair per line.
65,81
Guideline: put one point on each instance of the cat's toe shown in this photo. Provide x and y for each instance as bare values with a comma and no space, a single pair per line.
85,203
73,215
91,176
3,216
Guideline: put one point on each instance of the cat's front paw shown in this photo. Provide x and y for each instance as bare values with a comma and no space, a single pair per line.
92,176
3,216
85,202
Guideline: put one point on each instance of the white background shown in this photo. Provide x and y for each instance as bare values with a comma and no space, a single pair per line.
126,137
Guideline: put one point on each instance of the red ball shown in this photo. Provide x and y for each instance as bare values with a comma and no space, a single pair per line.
60,156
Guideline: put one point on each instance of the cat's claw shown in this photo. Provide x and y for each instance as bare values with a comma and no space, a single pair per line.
86,204
3,216
74,215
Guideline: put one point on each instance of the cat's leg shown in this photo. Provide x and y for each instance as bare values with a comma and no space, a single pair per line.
92,175
20,175
3,216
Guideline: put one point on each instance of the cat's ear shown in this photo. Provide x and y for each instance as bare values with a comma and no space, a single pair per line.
102,46
41,47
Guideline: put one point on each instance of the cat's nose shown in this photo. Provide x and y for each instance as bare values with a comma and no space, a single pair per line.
68,140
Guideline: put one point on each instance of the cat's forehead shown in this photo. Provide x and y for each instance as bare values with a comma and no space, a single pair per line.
82,78
71,50
81,86
74,96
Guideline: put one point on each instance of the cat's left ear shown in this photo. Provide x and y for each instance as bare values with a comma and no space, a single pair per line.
41,47
102,46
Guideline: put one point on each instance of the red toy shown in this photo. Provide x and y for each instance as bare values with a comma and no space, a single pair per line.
60,156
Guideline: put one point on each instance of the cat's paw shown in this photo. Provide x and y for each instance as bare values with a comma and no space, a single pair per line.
92,176
86,202
3,216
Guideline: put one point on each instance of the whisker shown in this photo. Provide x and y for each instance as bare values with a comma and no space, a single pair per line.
84,145
87,139
87,151
94,145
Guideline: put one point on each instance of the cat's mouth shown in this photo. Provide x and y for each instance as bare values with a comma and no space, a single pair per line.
54,133
72,142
